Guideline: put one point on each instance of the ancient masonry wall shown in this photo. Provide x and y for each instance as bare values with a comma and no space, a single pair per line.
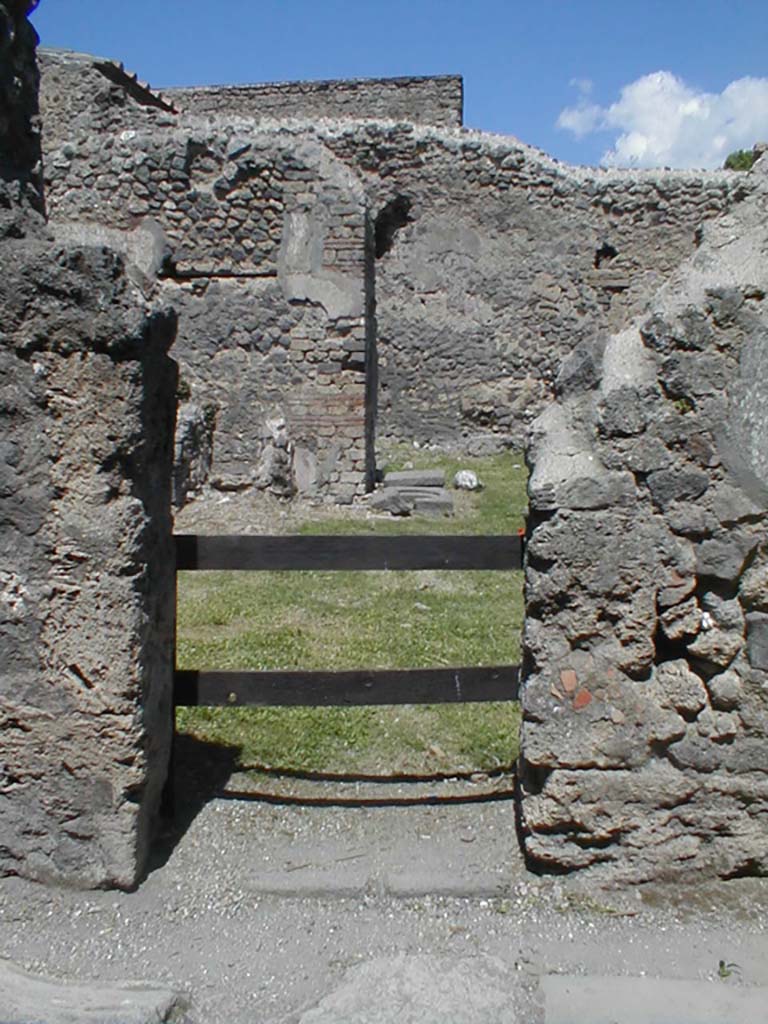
87,401
496,260
266,260
437,100
489,262
645,695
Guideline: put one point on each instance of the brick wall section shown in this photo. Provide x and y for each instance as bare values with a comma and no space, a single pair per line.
437,100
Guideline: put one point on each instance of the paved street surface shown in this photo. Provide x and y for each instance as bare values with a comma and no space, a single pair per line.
269,914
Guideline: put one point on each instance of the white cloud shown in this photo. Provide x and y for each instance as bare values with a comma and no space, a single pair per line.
659,120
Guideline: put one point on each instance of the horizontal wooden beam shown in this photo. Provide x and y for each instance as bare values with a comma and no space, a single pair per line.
342,689
255,552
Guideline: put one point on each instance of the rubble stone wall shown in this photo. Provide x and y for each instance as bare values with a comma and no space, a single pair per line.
436,100
645,696
492,262
262,245
501,261
87,403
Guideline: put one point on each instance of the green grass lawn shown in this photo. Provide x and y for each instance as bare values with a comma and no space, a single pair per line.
343,620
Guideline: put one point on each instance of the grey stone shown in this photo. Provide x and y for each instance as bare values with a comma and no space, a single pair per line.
393,500
753,589
423,989
642,1000
433,501
682,620
34,999
724,557
580,370
725,690
717,646
668,485
757,640
623,412
725,613
600,490
415,478
193,455
679,688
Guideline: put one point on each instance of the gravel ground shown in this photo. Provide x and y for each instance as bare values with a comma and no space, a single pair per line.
258,910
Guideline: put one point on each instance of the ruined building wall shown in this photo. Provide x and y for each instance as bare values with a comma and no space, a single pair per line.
645,695
436,100
86,578
264,258
499,261
21,193
491,262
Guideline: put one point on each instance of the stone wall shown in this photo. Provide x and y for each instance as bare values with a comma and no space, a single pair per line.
21,194
87,403
437,100
262,245
645,696
492,262
500,260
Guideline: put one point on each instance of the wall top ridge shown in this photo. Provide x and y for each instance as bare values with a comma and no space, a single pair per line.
112,69
319,83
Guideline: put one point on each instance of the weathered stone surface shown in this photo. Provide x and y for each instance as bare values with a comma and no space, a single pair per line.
645,698
679,688
404,500
427,989
21,192
87,406
757,640
193,454
415,478
31,998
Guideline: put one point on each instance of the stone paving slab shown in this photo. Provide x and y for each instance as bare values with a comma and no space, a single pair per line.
575,999
32,999
427,990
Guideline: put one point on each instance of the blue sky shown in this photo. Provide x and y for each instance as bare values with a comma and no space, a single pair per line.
578,78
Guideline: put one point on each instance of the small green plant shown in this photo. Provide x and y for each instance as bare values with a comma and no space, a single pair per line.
683,405
725,970
740,160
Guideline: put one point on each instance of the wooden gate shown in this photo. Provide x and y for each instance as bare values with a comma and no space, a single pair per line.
358,686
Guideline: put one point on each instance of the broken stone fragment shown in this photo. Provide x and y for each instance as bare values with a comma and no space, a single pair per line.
391,500
402,501
682,620
717,646
717,725
726,614
753,589
724,557
679,688
32,997
668,485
